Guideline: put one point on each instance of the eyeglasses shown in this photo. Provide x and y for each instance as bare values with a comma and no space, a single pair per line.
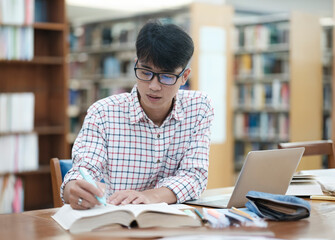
164,78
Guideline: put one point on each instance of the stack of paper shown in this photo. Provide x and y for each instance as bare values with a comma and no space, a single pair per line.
304,185
326,179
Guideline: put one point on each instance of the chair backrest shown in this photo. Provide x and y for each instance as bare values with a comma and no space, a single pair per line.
58,170
320,147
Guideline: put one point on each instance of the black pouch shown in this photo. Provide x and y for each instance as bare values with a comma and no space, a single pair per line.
277,207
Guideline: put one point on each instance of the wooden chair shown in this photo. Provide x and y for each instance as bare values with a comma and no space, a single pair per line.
58,170
320,147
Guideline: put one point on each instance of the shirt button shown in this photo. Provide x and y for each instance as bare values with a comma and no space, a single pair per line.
158,161
158,135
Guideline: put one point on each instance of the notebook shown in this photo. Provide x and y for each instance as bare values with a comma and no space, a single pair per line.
265,171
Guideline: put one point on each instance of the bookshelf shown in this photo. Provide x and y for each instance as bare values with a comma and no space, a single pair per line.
101,63
278,83
327,68
43,73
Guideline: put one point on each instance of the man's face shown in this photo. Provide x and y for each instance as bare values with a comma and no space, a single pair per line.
155,96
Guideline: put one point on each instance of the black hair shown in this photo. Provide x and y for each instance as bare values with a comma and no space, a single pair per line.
166,46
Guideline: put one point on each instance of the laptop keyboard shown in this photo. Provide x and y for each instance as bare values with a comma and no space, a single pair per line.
218,200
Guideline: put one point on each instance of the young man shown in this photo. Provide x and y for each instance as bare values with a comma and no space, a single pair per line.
150,145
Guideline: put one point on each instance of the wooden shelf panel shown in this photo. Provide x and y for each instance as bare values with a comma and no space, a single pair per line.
46,130
50,130
50,26
262,140
266,78
275,48
267,110
43,169
106,48
38,25
37,60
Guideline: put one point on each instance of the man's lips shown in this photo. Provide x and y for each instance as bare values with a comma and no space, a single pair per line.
153,96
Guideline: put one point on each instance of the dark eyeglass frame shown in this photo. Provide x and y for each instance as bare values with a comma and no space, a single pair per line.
158,75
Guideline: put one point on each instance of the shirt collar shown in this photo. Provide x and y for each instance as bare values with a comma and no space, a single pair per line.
137,113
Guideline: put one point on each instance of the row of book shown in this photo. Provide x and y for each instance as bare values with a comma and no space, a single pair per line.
11,194
105,67
97,35
242,148
263,126
19,152
17,112
262,36
87,91
16,43
327,37
112,67
17,11
327,127
327,97
260,65
275,95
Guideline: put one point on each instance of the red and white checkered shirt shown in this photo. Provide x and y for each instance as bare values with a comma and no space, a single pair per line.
120,144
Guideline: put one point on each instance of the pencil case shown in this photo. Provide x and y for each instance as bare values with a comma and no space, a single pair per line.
277,207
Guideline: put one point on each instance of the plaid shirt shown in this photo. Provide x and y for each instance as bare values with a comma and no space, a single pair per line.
120,144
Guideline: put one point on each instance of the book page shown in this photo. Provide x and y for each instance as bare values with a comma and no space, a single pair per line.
137,209
66,216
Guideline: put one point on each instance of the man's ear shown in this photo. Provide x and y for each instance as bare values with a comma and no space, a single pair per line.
186,75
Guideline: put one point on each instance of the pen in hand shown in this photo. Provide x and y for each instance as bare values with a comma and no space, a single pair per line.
88,178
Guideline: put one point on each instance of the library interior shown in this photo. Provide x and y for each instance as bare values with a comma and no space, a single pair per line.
270,64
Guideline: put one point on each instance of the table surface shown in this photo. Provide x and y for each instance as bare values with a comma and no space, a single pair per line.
39,225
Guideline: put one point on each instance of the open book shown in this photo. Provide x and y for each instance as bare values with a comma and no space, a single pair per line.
144,215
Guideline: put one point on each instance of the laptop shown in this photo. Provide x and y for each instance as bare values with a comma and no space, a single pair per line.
266,171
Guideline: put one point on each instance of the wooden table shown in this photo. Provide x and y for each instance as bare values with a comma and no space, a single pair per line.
39,225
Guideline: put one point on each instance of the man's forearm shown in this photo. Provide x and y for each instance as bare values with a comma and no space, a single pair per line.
162,194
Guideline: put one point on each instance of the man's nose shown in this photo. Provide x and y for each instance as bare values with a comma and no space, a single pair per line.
155,85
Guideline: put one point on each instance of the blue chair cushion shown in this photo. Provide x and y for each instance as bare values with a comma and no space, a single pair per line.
65,166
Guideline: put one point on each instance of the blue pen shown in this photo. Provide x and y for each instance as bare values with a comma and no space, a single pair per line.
88,178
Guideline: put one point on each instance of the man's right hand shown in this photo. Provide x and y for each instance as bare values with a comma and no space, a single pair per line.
81,195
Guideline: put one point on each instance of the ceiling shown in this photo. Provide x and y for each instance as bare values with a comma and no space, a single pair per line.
95,10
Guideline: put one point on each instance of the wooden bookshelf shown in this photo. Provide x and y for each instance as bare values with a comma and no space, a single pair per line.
88,48
286,55
333,87
221,153
46,76
327,74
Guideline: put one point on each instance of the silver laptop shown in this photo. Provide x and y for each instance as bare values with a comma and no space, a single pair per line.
266,171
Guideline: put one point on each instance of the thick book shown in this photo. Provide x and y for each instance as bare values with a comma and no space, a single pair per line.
141,215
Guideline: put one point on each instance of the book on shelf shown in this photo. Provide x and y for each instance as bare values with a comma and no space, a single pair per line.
14,11
17,112
111,67
131,215
16,43
41,11
19,152
261,36
11,194
258,96
327,127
